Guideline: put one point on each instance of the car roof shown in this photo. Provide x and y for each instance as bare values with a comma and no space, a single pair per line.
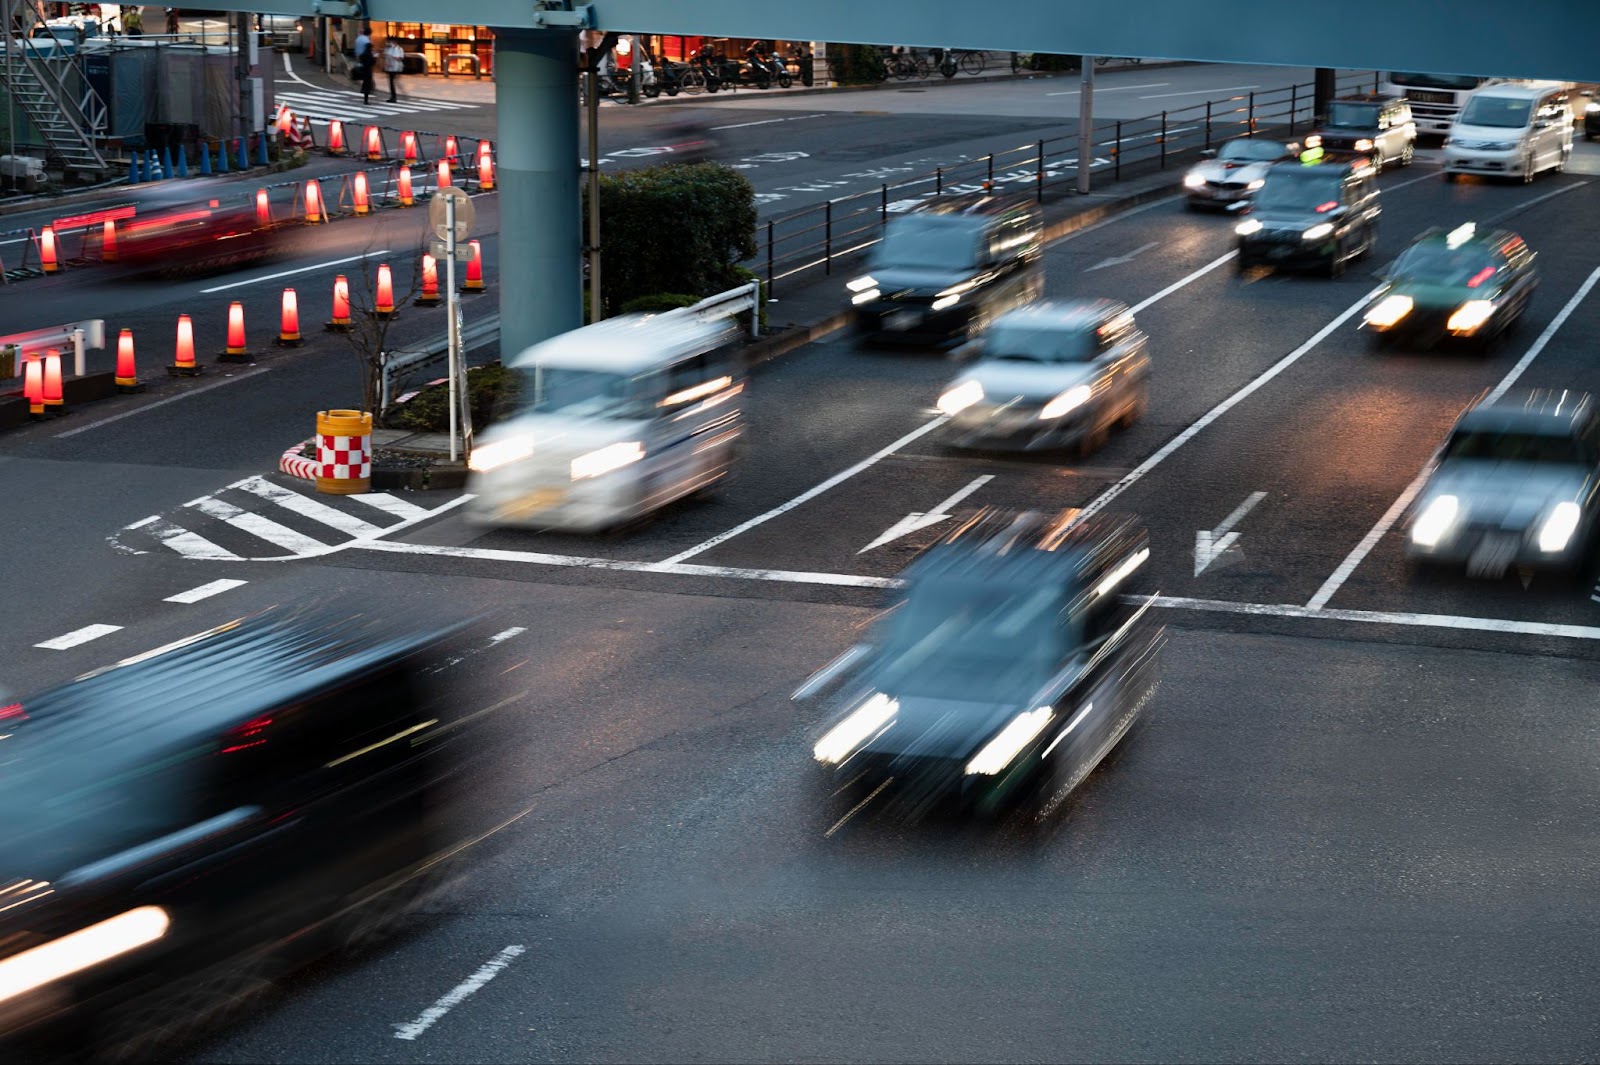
1515,90
970,204
1064,314
1461,236
629,343
1537,411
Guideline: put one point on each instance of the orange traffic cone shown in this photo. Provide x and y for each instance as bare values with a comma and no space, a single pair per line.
289,328
485,172
33,385
361,194
406,198
443,181
47,251
340,323
263,209
314,211
235,351
336,138
384,305
54,402
374,142
408,148
452,155
108,241
430,283
127,378
183,364
474,281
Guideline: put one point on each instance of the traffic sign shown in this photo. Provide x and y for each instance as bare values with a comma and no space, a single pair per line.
438,216
441,251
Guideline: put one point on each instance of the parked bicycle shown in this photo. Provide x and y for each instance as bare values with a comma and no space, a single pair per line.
903,66
961,61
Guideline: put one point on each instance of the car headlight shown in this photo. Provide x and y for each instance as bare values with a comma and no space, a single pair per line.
1556,532
861,284
1364,144
496,453
1314,141
841,741
998,752
865,296
945,301
611,457
1591,107
80,950
1389,310
1248,226
1318,231
1254,185
1193,181
1470,316
1434,521
1066,402
959,398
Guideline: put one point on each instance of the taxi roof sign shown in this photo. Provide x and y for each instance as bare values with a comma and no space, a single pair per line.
1311,155
1461,234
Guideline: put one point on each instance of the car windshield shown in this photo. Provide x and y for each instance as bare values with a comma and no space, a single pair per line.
966,639
1039,343
1504,112
585,393
1514,447
1434,81
1301,188
929,242
1347,115
1245,150
1436,264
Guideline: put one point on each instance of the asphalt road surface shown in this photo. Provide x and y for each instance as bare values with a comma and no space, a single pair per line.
1355,826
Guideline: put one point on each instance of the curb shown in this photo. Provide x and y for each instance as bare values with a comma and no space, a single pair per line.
292,463
434,478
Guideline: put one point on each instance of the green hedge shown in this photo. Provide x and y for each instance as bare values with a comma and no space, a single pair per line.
674,228
855,64
660,301
493,391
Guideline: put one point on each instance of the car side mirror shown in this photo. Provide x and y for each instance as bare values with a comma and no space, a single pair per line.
1208,153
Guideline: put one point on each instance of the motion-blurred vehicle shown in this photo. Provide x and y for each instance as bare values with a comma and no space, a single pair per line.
193,227
285,33
1379,127
181,827
1463,283
1511,129
1319,213
1231,173
691,140
1514,484
944,270
1591,116
617,420
1010,669
1051,375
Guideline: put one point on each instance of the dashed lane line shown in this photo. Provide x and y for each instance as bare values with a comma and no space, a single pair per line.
205,591
459,994
79,636
1381,617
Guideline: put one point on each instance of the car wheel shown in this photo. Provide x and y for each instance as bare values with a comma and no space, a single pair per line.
1137,408
1379,343
1450,177
1408,153
1527,169
1561,160
1243,264
1094,438
1336,263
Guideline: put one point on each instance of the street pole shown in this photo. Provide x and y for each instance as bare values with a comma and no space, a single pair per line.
594,188
1085,123
452,302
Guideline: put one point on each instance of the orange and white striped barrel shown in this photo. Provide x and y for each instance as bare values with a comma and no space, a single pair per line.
344,452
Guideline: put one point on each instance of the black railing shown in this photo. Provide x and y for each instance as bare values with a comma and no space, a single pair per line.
837,228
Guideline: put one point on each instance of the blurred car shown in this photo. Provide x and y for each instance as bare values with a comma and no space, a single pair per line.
1231,173
1319,213
1008,672
285,33
943,271
1051,375
1377,126
1511,129
1462,283
185,824
616,420
1514,484
691,141
193,227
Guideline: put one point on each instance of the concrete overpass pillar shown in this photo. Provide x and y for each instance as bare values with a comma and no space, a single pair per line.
541,241
1323,87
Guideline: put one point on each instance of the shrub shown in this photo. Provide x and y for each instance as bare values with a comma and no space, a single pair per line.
491,390
855,64
660,301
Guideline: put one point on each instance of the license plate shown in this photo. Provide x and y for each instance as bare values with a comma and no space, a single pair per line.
900,321
1492,556
533,502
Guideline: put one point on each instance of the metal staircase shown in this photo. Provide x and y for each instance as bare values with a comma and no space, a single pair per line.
70,120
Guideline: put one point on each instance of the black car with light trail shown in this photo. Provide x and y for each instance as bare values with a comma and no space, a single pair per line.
1319,214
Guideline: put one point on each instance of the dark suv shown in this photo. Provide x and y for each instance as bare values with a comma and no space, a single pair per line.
1379,127
1317,214
946,269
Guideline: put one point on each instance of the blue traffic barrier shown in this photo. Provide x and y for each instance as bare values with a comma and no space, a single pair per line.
205,159
133,169
222,158
183,161
261,146
166,161
244,155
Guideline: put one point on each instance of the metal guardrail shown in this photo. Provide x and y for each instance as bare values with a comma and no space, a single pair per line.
818,236
726,304
81,335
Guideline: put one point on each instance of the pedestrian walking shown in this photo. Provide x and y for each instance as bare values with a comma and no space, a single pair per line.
394,62
172,22
365,62
132,22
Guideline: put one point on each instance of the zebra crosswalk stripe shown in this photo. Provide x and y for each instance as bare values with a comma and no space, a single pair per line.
309,508
181,540
256,525
393,505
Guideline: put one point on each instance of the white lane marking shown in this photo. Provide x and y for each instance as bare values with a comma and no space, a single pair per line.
1211,543
1392,515
1536,201
1118,260
1199,92
154,652
1114,88
769,121
1183,281
291,273
1137,474
77,636
494,641
459,994
391,505
256,525
1382,617
535,558
502,637
917,520
812,493
308,508
205,591
186,543
234,379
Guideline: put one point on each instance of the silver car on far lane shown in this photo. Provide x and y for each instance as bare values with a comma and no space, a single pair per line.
1514,484
1229,175
1051,376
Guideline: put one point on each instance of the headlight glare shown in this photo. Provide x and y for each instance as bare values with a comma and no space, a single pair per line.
1364,145
999,752
946,301
1470,316
1193,181
1389,310
1556,532
861,284
842,740
1435,520
1248,226
493,454
1066,402
959,398
611,457
1254,185
865,296
1318,231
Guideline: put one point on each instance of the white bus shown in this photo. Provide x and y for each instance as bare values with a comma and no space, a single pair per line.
1435,98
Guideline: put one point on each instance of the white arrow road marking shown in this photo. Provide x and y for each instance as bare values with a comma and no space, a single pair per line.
1118,260
1209,544
916,520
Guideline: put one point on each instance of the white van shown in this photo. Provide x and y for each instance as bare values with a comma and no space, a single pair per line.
1511,129
616,420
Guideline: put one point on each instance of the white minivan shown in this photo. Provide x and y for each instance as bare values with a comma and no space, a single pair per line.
1511,129
615,420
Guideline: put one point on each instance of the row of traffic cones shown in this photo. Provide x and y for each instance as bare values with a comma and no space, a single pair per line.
151,165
